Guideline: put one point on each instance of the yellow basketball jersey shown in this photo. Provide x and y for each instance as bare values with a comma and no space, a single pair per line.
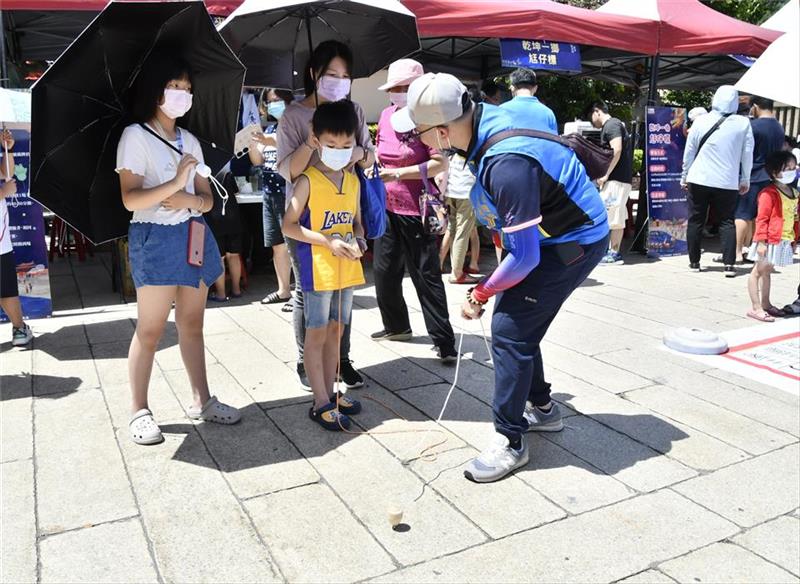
329,212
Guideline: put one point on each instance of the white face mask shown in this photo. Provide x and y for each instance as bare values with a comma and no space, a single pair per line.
787,176
333,88
399,99
176,103
336,158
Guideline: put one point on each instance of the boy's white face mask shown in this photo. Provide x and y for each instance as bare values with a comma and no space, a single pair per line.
336,158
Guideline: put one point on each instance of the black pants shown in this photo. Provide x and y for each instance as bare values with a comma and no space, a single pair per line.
405,246
723,202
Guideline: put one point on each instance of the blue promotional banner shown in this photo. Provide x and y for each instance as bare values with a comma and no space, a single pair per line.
540,55
668,204
26,226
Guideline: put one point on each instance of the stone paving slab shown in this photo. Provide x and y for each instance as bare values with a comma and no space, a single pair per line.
738,492
197,528
68,368
254,455
315,538
382,481
114,552
93,487
579,549
590,370
16,417
738,430
725,562
680,442
18,527
777,541
648,577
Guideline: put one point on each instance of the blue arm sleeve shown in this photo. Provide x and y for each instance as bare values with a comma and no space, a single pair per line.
523,256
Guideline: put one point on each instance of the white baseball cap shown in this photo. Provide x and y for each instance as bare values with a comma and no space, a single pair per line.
434,99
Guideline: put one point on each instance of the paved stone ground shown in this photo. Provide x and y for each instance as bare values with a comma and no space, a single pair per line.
665,471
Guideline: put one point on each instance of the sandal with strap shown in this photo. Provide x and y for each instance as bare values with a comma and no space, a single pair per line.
274,298
760,315
289,306
215,411
329,418
144,429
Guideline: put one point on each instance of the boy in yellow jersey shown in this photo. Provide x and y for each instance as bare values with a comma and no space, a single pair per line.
324,218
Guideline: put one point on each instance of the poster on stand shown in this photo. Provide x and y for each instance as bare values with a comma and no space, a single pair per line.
26,226
668,203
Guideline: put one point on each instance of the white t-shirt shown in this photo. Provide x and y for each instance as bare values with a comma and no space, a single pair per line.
5,230
145,155
460,179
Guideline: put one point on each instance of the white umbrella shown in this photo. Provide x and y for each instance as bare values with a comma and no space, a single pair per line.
776,73
787,19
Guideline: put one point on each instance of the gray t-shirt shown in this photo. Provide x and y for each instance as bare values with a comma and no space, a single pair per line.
294,129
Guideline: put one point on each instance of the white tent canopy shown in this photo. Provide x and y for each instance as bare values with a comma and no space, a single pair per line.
776,73
787,19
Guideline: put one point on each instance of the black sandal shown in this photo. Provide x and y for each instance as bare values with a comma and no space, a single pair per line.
274,298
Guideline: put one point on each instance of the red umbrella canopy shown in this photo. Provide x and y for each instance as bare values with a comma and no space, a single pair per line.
689,27
214,7
533,19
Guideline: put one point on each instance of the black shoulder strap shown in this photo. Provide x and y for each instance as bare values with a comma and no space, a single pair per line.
713,129
149,131
500,136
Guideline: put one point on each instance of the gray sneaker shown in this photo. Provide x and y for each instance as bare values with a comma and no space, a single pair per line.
496,461
21,336
539,421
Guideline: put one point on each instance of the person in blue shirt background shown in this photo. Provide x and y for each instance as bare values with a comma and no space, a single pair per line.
554,227
526,109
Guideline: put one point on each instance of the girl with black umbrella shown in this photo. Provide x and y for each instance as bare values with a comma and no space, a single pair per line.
327,78
157,164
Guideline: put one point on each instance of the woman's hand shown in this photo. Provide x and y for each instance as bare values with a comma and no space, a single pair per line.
183,200
185,167
9,188
7,139
264,139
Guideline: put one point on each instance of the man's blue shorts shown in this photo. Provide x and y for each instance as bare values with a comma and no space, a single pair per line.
747,205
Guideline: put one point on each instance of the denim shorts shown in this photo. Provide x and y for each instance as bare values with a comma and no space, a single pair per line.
322,307
747,204
157,256
273,207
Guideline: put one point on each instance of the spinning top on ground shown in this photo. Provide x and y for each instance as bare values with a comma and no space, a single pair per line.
395,514
696,341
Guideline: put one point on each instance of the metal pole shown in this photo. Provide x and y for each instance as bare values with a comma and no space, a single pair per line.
3,66
310,51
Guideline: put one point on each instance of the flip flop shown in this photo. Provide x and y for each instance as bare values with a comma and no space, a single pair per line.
774,311
274,298
760,316
464,279
289,306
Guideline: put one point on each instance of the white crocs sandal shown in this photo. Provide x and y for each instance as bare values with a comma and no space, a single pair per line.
215,411
144,429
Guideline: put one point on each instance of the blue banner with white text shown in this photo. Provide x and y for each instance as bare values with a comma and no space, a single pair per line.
668,203
548,55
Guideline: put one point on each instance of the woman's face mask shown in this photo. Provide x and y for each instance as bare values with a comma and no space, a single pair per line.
333,88
176,103
336,158
276,109
399,99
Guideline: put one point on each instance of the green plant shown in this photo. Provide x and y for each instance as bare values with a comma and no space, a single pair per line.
638,160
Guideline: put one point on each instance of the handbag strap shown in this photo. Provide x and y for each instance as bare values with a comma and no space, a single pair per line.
500,136
713,129
147,129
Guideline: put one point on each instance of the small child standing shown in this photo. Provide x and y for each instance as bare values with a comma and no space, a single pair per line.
324,217
776,223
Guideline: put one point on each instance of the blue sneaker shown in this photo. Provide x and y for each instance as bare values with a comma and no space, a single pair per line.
496,461
541,421
611,258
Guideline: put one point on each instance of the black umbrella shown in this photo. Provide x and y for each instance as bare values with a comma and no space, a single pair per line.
80,106
273,38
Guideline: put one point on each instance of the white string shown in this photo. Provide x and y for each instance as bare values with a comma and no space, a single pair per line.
220,190
486,342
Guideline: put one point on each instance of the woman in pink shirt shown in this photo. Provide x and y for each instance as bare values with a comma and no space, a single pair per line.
405,245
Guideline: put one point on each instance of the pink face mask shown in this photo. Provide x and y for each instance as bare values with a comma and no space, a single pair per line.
176,103
333,88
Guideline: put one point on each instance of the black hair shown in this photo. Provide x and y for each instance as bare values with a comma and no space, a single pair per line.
321,57
597,105
159,69
775,161
523,78
490,88
762,102
284,94
790,141
338,118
